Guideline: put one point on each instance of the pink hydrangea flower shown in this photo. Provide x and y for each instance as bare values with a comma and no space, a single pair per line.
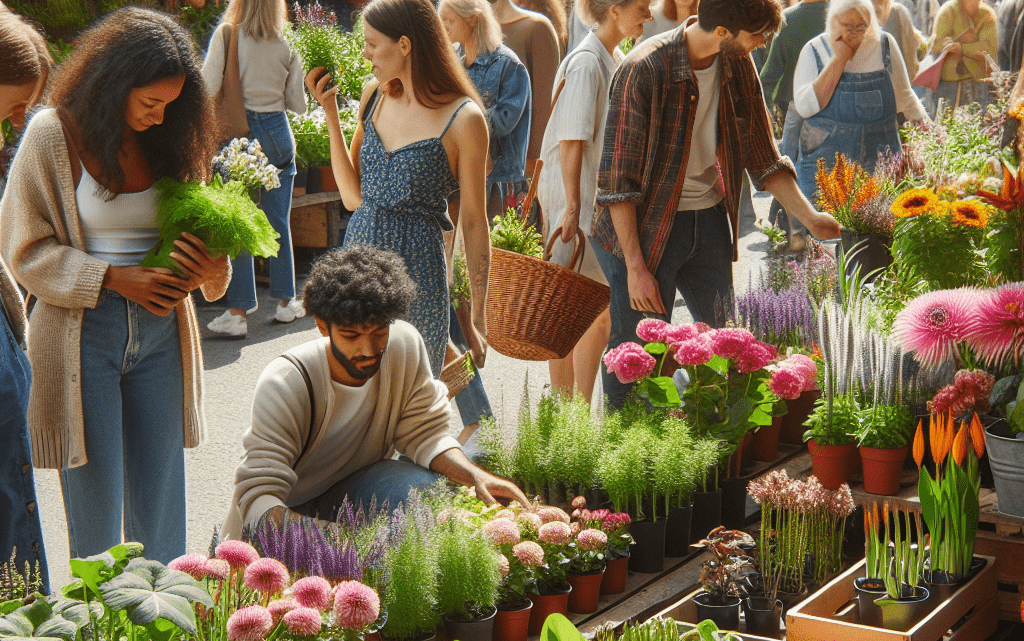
238,554
680,333
266,575
550,513
529,553
355,605
555,533
702,328
694,351
193,565
617,520
503,567
786,383
652,330
592,540
806,368
312,592
280,607
303,622
218,569
579,502
530,520
754,357
502,532
629,362
730,342
575,527
600,515
252,623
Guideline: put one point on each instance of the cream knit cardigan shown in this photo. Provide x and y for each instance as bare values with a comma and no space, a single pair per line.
41,240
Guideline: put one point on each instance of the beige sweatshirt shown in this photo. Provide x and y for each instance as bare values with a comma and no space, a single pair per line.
42,243
410,416
13,304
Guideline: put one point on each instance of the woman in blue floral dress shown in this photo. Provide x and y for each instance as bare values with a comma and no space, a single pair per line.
421,135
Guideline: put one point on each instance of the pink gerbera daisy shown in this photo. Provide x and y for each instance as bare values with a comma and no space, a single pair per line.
355,605
933,323
238,554
998,328
266,575
193,565
251,623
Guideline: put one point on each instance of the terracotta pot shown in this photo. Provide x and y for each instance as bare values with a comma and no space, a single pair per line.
882,469
545,604
512,622
797,411
327,181
614,581
586,591
766,441
831,463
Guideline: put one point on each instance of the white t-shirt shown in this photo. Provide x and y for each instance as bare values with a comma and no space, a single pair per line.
867,58
701,170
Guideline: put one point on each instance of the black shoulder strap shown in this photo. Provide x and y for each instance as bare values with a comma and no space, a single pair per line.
312,406
371,106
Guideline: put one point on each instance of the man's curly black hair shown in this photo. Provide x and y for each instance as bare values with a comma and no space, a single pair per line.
358,286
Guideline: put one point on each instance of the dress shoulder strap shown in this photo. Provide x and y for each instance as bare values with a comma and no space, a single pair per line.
452,119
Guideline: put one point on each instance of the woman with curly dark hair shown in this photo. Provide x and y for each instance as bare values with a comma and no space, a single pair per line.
114,347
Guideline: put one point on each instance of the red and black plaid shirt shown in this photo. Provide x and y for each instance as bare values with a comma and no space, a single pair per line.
647,142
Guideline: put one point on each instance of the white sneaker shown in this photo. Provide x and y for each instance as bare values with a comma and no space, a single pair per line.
289,312
230,324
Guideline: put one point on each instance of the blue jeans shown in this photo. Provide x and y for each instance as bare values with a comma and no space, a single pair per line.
19,512
275,136
387,480
132,402
790,147
697,263
472,401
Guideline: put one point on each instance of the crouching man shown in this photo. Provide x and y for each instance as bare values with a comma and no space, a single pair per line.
328,415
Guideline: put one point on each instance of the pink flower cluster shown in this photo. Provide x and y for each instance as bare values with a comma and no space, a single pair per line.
303,622
629,362
199,567
693,351
652,330
238,554
313,592
617,524
529,553
550,513
355,605
554,533
777,490
502,532
268,576
970,390
530,520
252,623
795,375
592,540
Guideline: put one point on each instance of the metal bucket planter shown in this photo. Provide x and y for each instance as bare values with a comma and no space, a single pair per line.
903,614
1006,455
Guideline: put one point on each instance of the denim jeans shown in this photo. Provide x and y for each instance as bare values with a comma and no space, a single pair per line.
790,147
697,263
19,512
132,402
388,480
472,401
275,136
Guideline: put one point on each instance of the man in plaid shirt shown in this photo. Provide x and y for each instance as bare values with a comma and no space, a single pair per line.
686,118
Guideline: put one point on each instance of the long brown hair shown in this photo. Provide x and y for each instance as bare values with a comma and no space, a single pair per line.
437,76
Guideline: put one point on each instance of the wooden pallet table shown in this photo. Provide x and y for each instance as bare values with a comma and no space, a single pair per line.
830,613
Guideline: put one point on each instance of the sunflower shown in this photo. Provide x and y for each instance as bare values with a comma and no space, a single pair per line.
914,202
970,213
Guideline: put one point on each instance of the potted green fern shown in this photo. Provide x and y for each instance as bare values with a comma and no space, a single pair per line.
411,592
468,580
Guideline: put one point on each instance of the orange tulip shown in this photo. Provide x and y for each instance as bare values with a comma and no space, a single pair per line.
919,445
977,436
935,438
960,444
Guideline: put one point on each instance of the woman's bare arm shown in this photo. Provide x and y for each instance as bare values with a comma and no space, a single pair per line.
345,172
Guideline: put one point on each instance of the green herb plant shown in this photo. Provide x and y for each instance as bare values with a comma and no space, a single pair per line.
411,592
468,577
833,423
18,583
511,233
885,426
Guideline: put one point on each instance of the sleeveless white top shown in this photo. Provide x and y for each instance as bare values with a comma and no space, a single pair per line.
120,231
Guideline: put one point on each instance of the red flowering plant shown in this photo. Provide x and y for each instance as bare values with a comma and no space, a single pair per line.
616,526
726,393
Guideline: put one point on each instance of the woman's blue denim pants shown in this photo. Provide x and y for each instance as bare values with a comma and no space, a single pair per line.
19,512
275,136
134,438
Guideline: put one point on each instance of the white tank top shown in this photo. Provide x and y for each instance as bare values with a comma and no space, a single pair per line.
120,231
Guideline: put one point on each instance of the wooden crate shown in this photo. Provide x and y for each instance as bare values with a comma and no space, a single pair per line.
1007,546
309,226
685,611
825,614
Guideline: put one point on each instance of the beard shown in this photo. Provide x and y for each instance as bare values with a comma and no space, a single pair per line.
732,47
353,370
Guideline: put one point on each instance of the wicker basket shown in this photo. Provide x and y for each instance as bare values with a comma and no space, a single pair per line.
537,310
456,375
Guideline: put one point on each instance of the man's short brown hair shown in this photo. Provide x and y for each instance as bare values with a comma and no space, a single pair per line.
752,16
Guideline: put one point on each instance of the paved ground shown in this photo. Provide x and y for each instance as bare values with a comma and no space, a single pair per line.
232,368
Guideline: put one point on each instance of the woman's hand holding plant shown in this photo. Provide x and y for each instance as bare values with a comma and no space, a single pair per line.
316,82
197,265
158,290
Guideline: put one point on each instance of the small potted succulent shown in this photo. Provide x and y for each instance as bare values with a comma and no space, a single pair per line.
721,576
468,580
586,569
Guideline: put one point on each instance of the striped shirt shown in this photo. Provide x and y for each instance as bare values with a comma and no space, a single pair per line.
647,140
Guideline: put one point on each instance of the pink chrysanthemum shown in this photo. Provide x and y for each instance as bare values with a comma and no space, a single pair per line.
694,351
503,566
252,623
355,605
266,575
218,569
549,514
502,532
238,554
555,533
304,622
933,323
806,368
652,330
754,357
680,333
579,502
529,553
280,607
730,342
312,592
592,540
629,362
786,383
531,520
997,330
193,565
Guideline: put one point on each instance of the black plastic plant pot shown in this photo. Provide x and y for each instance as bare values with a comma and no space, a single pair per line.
677,531
299,182
763,617
943,585
313,182
752,585
734,503
648,554
867,591
707,514
905,613
479,629
724,612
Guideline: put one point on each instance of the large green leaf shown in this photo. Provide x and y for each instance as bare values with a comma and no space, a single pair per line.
655,348
148,590
100,568
927,491
76,611
660,391
37,621
558,628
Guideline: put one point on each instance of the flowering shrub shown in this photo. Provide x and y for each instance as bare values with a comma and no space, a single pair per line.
589,551
243,160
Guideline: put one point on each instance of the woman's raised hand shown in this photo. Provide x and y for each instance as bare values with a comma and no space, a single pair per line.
316,82
198,266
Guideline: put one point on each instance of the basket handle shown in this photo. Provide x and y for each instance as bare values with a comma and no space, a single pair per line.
577,252
531,194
